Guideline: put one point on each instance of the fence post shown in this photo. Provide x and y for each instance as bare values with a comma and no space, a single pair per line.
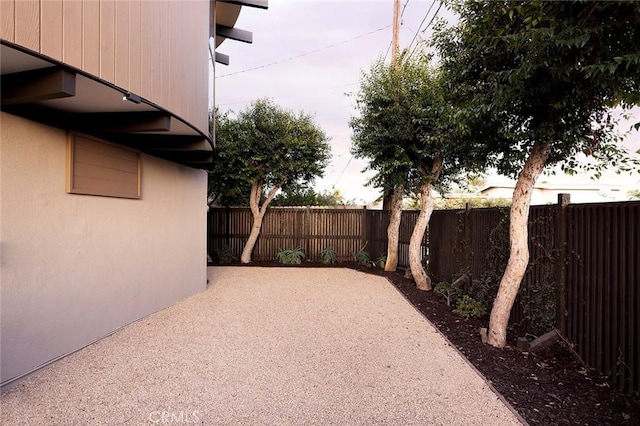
366,232
468,245
307,230
560,262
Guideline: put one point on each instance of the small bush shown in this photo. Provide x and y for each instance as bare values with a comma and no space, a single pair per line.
290,256
224,255
381,262
469,307
328,256
448,292
362,258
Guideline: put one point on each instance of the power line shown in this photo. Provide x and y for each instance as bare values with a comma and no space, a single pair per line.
305,54
403,8
388,49
343,170
420,26
427,27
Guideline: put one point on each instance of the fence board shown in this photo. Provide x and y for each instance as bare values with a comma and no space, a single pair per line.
603,289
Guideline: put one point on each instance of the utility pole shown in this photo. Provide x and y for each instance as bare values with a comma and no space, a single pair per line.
395,41
387,197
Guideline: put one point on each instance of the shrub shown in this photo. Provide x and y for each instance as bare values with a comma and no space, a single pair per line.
290,256
382,261
469,307
328,256
224,255
448,292
362,258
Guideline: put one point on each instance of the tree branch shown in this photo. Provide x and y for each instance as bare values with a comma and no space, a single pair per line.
272,195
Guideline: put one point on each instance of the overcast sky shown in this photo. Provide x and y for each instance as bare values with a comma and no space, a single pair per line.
308,55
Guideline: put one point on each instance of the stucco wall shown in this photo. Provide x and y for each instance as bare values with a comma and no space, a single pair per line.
76,267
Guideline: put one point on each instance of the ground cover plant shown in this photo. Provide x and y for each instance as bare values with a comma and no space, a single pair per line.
547,388
290,256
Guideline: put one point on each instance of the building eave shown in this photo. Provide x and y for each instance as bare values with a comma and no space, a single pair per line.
42,89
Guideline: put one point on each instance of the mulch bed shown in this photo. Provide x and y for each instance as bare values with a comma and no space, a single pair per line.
550,387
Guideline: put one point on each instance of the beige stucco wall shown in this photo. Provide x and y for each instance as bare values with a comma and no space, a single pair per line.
75,267
144,46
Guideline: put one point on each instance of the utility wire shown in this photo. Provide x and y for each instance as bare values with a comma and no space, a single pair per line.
425,28
343,170
403,8
388,49
420,26
305,54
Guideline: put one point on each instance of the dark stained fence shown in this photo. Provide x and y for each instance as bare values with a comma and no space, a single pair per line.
603,288
583,276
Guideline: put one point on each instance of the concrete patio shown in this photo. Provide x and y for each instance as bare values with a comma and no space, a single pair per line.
267,346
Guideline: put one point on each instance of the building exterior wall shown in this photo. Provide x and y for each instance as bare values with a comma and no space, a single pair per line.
75,267
146,47
540,196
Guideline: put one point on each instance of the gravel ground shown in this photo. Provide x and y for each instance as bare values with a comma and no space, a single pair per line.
267,346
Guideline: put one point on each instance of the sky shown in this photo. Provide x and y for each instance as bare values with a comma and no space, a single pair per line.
309,55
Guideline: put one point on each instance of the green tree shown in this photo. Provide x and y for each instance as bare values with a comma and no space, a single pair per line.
266,148
545,75
378,134
302,195
407,130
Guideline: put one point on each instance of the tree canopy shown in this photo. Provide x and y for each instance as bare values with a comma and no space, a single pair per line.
262,149
544,71
302,195
406,129
540,78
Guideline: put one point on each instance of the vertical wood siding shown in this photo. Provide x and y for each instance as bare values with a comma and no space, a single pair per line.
156,49
27,24
7,19
51,31
72,32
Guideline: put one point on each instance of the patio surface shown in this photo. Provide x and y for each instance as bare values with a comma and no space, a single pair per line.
265,346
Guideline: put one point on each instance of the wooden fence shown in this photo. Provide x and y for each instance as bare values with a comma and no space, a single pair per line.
311,229
583,277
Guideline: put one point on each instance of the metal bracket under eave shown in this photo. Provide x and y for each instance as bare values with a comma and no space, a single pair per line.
221,58
233,33
37,85
261,4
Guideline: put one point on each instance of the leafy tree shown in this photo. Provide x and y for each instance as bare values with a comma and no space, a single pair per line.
265,148
378,135
545,75
301,195
407,131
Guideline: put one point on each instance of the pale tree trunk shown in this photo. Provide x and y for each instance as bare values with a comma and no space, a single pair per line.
258,213
423,282
393,230
518,244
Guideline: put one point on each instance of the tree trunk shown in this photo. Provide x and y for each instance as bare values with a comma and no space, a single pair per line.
245,257
258,213
519,245
393,230
423,282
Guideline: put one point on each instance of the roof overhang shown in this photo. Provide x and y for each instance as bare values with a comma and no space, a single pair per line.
222,23
44,90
